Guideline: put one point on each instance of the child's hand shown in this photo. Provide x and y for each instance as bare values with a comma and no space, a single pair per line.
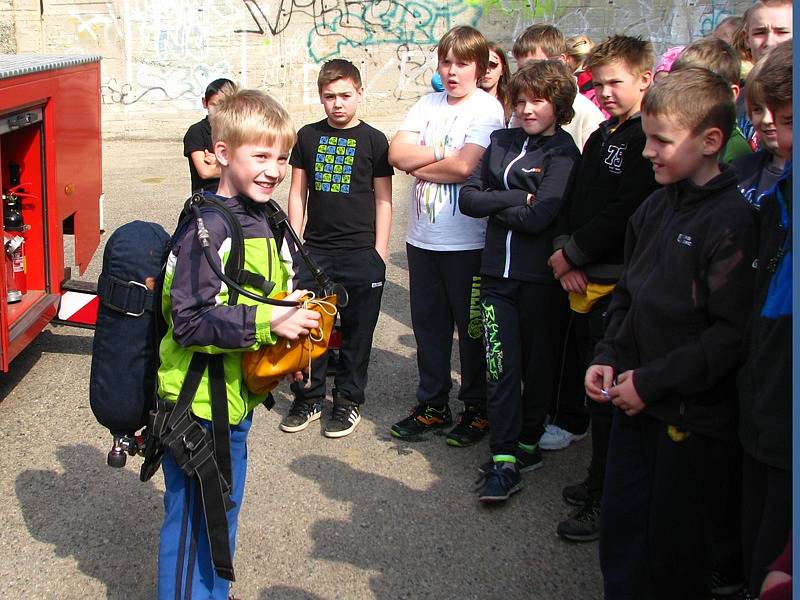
209,158
296,376
599,379
574,281
624,395
291,322
559,264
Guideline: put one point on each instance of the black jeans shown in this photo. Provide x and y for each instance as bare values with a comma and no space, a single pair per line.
445,291
363,274
521,322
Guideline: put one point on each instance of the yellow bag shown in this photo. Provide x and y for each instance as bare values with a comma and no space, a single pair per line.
264,368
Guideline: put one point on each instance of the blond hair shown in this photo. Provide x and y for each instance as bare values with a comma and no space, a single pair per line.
695,99
637,54
713,54
252,117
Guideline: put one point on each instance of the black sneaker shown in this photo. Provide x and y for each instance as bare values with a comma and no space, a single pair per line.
583,525
578,494
346,415
720,585
471,428
526,461
424,418
498,483
300,415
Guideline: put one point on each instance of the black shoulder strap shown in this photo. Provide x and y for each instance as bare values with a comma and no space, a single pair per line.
234,266
209,460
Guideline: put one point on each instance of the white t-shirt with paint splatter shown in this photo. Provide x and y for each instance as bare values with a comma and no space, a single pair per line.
434,220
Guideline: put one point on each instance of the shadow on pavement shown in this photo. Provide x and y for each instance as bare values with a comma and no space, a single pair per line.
106,519
424,543
281,592
46,341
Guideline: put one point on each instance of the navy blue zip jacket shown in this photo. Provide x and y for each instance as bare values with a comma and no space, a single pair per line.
765,381
678,313
519,235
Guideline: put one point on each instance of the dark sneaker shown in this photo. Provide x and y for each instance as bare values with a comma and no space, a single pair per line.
346,415
471,428
720,585
526,461
300,415
499,482
577,494
583,525
424,418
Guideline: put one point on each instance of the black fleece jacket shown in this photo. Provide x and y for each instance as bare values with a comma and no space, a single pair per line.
678,313
613,179
519,235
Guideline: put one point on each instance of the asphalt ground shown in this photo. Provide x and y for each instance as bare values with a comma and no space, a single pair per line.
365,516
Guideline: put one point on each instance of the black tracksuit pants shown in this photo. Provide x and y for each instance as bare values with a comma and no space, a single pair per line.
521,322
766,517
568,410
363,274
654,527
445,291
587,330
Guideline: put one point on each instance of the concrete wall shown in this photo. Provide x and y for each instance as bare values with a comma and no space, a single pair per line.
158,55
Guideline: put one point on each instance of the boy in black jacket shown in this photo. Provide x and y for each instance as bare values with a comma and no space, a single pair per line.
613,179
520,184
672,345
765,381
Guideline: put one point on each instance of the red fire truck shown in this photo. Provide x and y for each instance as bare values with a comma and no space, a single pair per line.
51,167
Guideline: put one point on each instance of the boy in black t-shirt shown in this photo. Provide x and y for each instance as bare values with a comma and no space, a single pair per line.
197,145
341,174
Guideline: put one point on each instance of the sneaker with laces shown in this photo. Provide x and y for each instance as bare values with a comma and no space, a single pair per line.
526,461
471,428
498,483
344,419
424,418
555,438
583,525
300,415
577,494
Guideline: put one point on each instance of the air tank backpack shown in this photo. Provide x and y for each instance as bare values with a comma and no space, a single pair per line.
125,360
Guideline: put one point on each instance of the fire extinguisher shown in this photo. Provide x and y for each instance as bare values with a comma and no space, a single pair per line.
15,267
14,240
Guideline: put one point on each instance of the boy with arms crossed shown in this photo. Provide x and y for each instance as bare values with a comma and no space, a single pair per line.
520,184
440,143
613,179
252,137
341,173
672,345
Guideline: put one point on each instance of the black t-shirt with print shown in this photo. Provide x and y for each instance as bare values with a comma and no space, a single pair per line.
340,165
198,137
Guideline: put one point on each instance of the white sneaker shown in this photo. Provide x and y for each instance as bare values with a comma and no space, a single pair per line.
555,438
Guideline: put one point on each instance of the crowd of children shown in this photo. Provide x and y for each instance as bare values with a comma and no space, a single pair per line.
609,272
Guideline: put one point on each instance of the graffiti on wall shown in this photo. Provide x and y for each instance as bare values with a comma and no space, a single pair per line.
160,56
336,26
